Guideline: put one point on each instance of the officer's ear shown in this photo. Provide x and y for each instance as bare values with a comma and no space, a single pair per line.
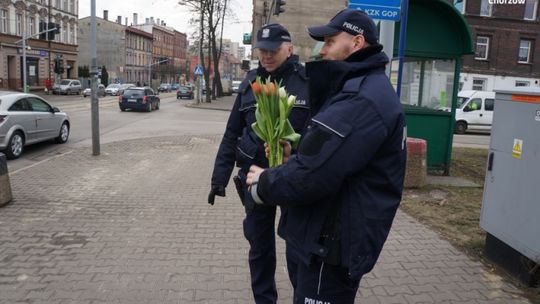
289,47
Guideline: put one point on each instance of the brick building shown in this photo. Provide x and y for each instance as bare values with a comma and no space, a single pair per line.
506,36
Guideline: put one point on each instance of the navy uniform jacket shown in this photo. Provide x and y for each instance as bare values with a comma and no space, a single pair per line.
239,143
350,162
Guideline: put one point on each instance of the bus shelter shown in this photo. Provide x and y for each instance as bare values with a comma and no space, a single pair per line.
437,37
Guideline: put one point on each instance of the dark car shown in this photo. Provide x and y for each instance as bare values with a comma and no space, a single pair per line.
184,92
175,86
164,87
139,98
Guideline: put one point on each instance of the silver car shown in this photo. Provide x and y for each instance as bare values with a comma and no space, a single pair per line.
27,119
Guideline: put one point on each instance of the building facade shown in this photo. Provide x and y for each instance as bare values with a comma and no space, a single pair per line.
23,18
110,45
138,55
507,37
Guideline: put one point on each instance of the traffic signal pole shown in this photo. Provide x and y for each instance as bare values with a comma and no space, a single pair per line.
23,40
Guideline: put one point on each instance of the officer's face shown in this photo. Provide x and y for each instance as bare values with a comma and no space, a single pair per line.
340,46
271,60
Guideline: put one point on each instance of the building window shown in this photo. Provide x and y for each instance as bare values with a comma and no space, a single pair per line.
72,6
31,26
57,4
19,24
531,6
524,51
482,48
3,21
65,35
479,84
485,8
65,6
72,35
522,83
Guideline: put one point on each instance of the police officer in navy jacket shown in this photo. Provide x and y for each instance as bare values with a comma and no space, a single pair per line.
241,145
343,187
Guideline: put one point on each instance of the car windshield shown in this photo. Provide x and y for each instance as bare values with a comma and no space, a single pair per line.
164,85
113,86
184,88
461,102
132,92
64,82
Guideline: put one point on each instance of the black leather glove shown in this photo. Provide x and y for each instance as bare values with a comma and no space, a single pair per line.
215,190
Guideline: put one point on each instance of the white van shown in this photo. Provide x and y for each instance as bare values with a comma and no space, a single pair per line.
474,111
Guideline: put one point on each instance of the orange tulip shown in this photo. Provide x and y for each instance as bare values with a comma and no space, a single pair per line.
256,88
266,90
271,88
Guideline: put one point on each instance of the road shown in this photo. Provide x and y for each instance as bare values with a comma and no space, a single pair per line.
173,118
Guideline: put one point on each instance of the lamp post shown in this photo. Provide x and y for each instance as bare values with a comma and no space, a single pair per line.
94,75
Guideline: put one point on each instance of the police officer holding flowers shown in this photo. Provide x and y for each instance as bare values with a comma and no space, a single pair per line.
241,145
343,187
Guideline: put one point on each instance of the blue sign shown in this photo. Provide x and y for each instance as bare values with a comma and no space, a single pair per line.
198,70
379,9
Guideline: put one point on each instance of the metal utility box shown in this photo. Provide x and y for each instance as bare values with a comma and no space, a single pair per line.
511,203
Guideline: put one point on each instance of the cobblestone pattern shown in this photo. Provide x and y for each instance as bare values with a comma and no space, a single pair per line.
133,226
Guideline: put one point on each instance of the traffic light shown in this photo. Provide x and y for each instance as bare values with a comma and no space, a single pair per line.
50,35
279,7
59,66
245,65
247,39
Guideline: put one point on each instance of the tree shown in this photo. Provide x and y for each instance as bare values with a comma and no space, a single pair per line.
84,71
104,75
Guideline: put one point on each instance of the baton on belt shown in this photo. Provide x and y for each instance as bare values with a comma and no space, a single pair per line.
239,188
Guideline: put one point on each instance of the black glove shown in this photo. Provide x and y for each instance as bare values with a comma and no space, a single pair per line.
215,190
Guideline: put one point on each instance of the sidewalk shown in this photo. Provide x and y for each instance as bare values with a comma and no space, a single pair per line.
133,226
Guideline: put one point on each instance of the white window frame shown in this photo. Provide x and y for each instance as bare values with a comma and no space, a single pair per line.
72,6
19,24
479,87
486,3
65,6
534,9
72,35
486,44
4,21
528,48
64,34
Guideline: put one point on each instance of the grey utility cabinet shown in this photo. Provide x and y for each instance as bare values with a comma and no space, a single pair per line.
511,202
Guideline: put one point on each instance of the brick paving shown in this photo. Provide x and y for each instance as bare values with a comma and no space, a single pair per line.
133,226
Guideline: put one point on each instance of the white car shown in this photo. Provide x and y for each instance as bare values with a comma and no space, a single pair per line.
112,89
27,119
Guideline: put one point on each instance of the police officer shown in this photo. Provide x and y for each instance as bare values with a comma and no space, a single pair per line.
241,145
344,185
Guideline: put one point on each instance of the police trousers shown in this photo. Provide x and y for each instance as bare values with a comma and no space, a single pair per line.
321,283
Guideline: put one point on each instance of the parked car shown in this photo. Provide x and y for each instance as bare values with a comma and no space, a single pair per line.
100,91
474,111
139,98
67,86
112,89
27,119
236,85
175,86
164,87
184,92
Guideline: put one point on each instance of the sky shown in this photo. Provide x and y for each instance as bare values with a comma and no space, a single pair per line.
172,13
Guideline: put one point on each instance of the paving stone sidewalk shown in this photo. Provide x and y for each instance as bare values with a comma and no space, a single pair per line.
133,226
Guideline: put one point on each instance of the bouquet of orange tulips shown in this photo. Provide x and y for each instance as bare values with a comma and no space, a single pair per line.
271,118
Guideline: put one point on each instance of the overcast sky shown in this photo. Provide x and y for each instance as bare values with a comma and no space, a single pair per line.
173,14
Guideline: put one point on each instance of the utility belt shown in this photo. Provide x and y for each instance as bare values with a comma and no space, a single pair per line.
331,237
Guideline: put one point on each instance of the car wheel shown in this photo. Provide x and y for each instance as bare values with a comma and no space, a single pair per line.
461,127
15,145
64,133
122,109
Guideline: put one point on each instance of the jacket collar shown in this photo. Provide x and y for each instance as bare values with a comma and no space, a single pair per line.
327,77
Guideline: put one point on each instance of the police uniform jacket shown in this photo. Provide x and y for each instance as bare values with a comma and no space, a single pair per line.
239,143
350,163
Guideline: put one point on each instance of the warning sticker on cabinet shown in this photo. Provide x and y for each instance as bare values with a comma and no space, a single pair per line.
517,148
537,117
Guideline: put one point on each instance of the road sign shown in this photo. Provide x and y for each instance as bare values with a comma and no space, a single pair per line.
379,9
198,70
